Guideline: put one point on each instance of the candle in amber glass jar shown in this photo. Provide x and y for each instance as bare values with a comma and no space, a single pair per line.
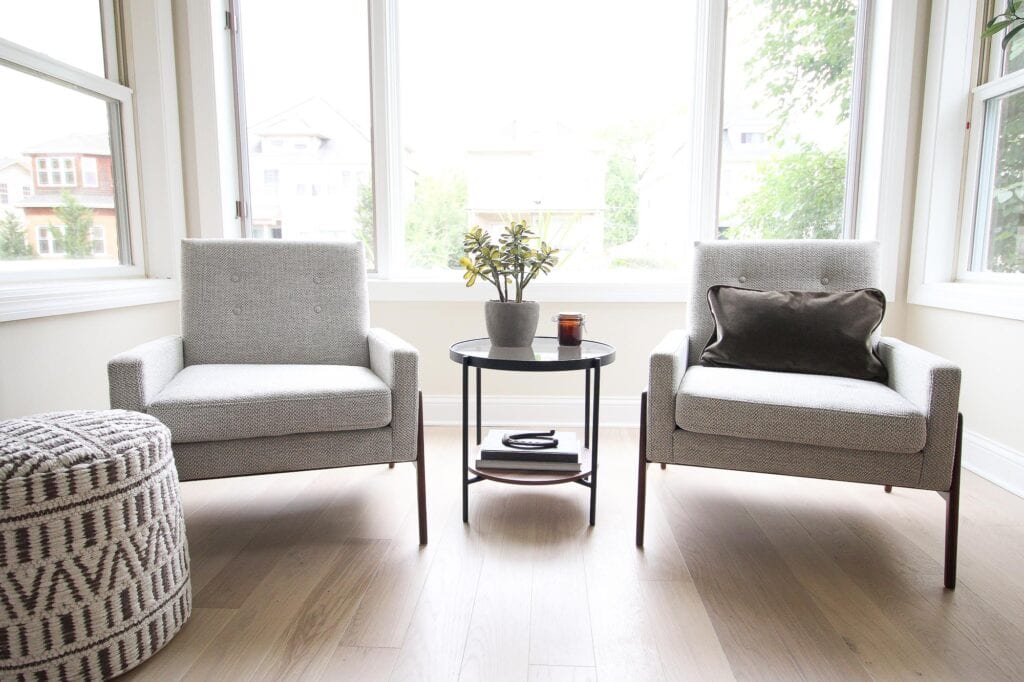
570,329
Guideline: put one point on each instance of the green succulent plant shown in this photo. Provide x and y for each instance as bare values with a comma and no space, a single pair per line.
509,265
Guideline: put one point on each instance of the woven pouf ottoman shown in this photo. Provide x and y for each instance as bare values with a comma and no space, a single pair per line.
93,561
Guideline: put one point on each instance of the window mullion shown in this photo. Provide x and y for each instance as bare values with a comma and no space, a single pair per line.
37,64
386,148
706,130
855,148
243,205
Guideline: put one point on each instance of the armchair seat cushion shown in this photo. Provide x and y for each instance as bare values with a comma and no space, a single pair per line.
811,409
223,402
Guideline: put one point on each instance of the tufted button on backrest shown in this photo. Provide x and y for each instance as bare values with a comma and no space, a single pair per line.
779,264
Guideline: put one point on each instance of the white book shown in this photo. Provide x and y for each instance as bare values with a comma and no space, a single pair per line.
567,450
516,465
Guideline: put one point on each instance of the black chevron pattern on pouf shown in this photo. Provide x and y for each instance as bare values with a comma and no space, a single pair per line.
94,572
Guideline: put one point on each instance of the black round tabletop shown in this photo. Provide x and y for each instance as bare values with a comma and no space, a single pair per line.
544,355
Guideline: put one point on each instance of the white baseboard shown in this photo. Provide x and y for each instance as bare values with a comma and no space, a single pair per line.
994,461
519,410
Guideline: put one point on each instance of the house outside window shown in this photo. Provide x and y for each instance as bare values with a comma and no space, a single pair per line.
4,197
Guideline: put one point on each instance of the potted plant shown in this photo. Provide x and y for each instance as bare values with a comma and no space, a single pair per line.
510,265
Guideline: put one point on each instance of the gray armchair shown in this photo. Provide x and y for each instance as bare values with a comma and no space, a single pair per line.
276,368
906,433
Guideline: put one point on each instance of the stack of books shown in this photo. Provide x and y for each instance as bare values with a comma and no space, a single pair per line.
562,458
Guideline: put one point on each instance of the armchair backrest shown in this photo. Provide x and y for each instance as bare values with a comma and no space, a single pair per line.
274,302
775,265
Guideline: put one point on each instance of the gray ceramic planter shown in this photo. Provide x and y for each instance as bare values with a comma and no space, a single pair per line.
511,324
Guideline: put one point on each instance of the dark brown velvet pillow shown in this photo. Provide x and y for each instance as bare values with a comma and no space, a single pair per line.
811,332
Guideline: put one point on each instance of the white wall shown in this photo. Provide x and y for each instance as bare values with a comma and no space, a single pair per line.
988,350
60,362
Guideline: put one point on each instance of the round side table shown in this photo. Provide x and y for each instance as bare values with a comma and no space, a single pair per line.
544,355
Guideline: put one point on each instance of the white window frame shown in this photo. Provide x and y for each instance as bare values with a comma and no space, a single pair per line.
951,133
866,218
138,50
121,113
974,194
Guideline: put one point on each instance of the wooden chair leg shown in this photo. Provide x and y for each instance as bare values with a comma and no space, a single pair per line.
391,465
664,466
953,508
888,488
421,476
641,486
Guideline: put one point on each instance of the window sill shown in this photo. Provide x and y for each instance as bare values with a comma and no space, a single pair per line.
31,299
563,292
995,300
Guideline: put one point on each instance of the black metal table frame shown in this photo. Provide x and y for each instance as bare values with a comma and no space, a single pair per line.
591,365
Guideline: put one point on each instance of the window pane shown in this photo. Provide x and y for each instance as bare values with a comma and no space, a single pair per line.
574,116
308,124
62,128
999,228
786,118
68,30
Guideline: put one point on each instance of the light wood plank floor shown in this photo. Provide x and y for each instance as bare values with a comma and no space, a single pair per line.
318,575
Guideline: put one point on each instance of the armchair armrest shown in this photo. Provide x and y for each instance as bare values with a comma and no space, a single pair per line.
933,385
137,375
397,364
667,364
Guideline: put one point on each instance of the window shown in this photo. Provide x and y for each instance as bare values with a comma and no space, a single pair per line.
595,141
290,109
54,171
72,130
789,82
90,175
965,253
26,192
4,198
589,145
98,237
46,243
994,220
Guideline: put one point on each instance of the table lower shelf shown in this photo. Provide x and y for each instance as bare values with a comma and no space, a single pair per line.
535,477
